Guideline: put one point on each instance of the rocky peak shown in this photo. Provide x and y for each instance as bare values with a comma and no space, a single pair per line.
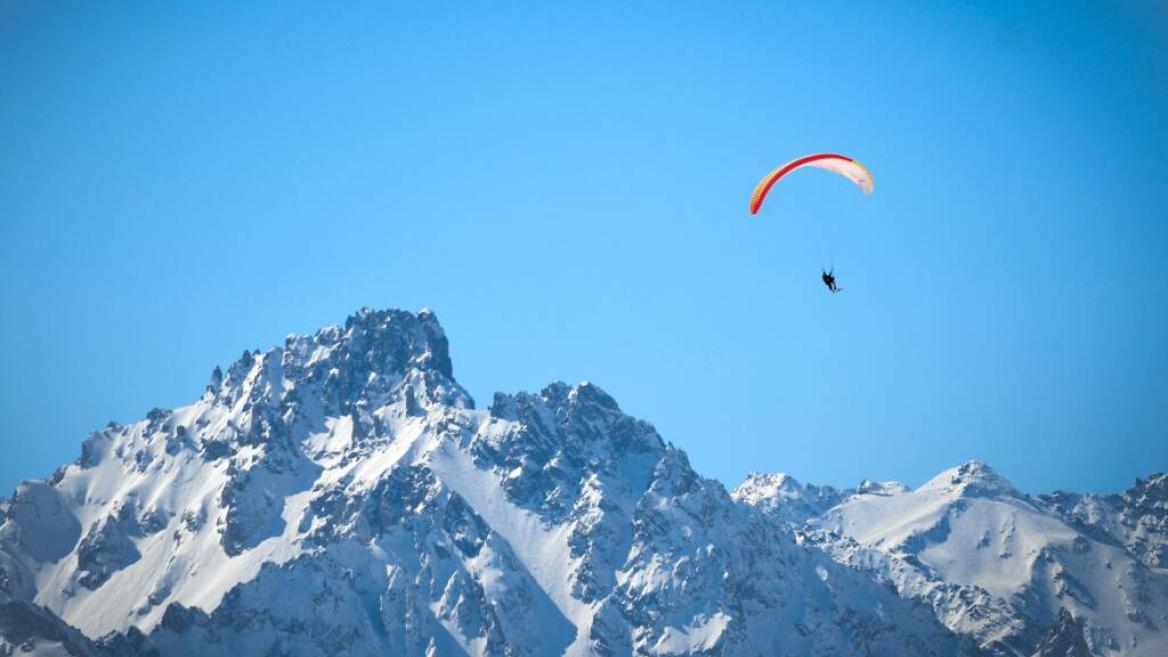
373,359
1150,493
392,340
551,445
370,344
762,487
970,479
782,497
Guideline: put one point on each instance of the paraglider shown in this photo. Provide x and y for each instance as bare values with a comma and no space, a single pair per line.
834,162
829,281
841,164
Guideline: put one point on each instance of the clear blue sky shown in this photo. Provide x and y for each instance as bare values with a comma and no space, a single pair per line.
567,186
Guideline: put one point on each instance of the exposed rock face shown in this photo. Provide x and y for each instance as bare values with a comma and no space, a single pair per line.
341,495
1066,638
1136,518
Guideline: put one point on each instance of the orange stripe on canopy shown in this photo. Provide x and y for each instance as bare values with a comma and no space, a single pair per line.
841,164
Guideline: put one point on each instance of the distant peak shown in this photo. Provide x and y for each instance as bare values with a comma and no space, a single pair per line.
760,486
869,487
774,480
971,479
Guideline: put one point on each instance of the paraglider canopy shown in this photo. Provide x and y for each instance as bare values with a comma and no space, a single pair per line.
841,164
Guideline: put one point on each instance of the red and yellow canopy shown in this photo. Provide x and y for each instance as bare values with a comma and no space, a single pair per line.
841,164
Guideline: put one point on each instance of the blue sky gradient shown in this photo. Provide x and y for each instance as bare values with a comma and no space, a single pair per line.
566,186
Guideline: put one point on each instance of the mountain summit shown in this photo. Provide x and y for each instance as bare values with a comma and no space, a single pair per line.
972,479
341,495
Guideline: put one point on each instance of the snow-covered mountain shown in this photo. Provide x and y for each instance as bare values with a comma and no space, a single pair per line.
341,495
1020,575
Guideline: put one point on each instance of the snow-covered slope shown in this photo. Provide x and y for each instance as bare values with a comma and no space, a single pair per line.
341,495
1021,576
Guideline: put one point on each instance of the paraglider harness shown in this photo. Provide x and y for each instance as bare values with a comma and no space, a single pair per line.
829,281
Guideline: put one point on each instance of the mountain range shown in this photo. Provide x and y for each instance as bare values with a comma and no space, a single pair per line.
342,494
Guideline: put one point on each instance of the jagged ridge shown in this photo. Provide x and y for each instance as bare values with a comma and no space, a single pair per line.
341,494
